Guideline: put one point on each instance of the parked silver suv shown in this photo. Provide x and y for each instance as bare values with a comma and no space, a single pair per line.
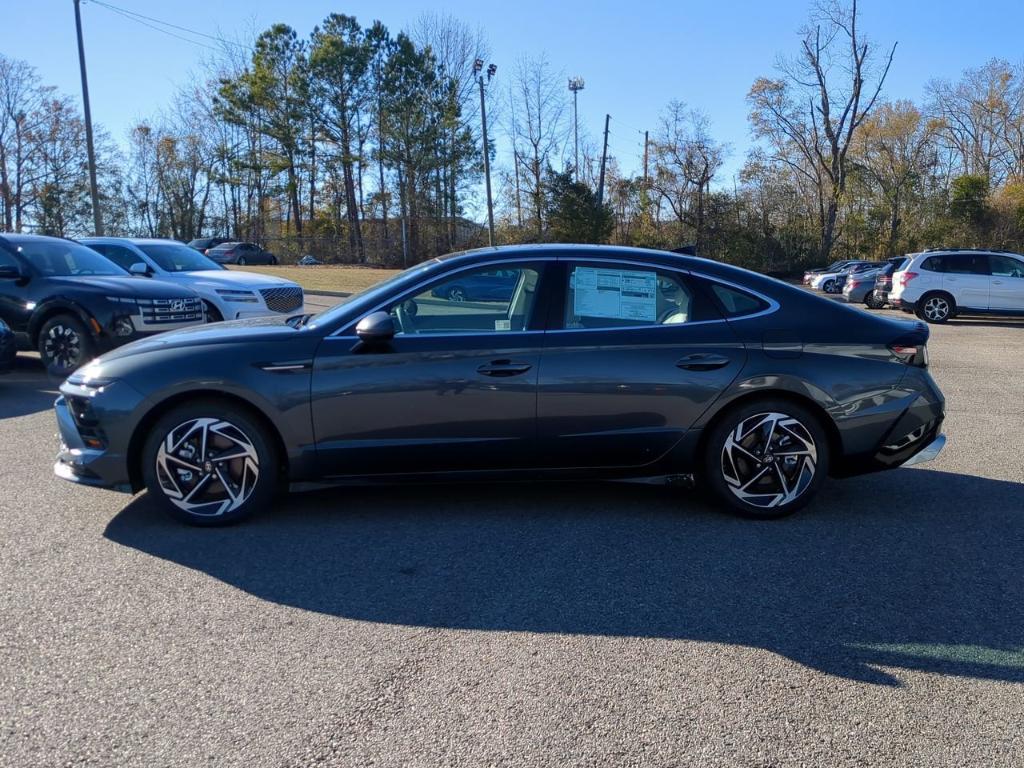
940,284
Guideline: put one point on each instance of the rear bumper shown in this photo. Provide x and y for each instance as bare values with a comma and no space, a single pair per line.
929,452
906,306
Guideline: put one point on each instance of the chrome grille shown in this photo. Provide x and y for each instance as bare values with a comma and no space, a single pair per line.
282,299
171,311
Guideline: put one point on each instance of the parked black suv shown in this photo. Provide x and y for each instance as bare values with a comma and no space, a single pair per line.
71,304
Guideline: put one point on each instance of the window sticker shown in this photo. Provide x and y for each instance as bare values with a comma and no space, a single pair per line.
623,294
503,325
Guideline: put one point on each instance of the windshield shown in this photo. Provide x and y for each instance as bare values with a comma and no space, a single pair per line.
364,300
63,258
175,257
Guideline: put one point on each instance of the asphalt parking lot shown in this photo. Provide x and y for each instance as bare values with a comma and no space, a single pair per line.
544,625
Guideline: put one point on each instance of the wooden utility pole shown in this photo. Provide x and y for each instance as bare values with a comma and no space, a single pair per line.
487,164
645,158
97,216
604,157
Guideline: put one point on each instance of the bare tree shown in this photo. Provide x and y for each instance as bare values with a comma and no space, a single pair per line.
540,128
686,159
810,115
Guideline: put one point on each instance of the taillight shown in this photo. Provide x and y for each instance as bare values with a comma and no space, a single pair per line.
905,277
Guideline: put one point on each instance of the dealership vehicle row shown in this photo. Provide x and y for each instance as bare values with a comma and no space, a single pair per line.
71,302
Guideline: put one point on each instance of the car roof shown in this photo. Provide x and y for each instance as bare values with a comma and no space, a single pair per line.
19,237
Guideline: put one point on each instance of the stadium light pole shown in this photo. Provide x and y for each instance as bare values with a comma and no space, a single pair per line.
478,65
97,216
576,85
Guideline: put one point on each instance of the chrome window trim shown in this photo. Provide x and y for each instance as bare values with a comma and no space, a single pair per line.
773,305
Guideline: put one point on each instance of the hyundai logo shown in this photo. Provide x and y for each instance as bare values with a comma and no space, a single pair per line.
177,305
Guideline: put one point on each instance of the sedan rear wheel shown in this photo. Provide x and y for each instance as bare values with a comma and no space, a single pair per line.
210,463
767,459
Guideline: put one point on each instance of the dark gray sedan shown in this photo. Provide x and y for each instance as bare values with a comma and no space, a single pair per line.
603,363
240,253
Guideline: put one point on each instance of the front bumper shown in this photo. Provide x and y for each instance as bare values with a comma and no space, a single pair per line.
95,436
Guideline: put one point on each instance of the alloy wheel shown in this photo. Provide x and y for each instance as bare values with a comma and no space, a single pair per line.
936,308
207,467
63,346
769,460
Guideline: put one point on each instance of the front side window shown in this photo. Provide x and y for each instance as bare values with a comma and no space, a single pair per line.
1006,266
482,300
120,256
626,296
174,257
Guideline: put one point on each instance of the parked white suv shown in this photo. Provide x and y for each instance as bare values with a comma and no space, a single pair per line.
940,284
227,294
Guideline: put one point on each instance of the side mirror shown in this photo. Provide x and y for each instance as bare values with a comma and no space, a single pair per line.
376,328
139,268
10,272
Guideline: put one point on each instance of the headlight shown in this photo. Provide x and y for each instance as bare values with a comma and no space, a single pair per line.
123,326
240,296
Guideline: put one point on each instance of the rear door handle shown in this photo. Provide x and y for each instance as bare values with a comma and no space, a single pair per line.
503,368
702,362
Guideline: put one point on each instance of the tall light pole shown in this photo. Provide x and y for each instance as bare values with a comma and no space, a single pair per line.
576,85
97,217
478,66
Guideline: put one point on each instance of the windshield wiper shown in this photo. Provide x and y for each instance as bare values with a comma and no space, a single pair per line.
297,321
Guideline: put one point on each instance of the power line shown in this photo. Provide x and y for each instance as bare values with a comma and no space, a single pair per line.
141,18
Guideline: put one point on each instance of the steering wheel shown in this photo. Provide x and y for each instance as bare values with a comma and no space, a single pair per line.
405,312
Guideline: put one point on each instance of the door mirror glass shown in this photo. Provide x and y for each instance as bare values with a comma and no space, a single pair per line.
139,268
376,328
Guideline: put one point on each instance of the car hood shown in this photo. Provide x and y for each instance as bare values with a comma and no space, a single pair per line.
223,278
125,287
247,330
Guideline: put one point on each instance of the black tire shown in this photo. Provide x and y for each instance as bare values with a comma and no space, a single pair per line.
728,466
65,345
272,260
829,287
241,261
871,302
213,314
252,475
936,307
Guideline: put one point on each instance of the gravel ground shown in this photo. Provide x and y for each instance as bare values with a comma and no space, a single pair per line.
529,626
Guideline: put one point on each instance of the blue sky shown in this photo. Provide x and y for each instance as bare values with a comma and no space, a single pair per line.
635,56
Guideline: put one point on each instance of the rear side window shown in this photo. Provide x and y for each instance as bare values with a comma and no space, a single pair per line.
610,295
934,264
737,303
967,263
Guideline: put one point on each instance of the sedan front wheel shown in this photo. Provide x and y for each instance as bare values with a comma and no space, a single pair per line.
210,463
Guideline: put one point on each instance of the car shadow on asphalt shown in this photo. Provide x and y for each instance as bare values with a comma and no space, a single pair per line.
911,569
26,389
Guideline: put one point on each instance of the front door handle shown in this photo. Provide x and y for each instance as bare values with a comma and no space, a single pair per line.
503,368
702,362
